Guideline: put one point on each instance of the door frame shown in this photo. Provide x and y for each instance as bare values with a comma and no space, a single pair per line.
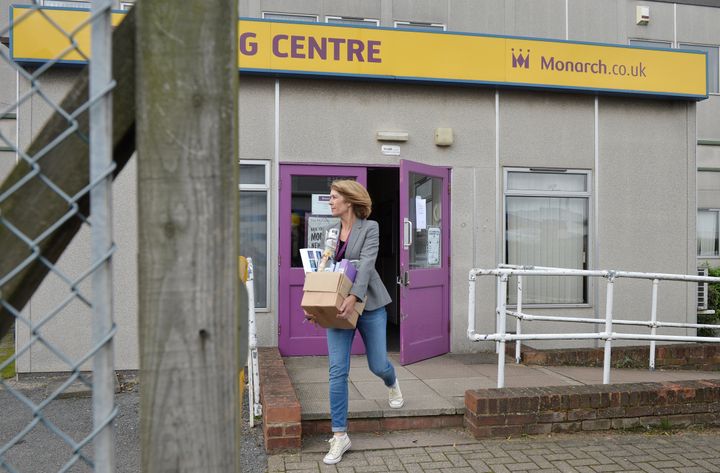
310,340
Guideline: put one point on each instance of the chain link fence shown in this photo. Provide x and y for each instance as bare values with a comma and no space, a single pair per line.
56,169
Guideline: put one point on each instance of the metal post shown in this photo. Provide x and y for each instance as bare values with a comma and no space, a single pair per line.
608,329
653,319
518,320
254,407
502,309
471,304
497,310
101,139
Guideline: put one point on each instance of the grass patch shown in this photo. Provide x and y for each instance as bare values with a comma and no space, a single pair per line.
7,349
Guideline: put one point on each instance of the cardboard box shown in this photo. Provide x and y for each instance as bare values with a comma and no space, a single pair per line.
323,295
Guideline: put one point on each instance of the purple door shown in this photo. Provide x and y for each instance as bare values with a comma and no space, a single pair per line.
302,213
424,261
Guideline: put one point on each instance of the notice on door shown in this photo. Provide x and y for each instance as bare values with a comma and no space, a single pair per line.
321,204
420,213
433,246
315,229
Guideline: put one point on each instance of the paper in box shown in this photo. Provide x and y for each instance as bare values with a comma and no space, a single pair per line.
323,295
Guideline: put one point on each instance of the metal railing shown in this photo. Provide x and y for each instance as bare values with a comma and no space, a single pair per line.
40,212
254,405
503,273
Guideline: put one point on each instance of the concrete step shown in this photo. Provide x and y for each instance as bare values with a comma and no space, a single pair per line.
389,440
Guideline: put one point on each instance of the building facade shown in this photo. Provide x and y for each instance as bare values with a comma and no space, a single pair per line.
462,176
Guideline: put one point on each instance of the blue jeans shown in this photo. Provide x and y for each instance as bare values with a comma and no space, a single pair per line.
372,325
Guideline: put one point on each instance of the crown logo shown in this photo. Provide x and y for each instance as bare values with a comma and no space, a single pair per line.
520,59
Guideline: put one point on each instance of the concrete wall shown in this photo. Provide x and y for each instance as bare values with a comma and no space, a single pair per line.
646,197
70,329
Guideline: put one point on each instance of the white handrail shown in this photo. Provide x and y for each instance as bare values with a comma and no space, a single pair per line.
503,273
254,406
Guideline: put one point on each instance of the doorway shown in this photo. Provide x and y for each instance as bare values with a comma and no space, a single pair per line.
411,206
382,185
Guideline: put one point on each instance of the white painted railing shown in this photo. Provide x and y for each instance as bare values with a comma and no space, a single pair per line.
503,273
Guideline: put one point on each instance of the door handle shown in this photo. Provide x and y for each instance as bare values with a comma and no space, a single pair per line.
407,233
404,279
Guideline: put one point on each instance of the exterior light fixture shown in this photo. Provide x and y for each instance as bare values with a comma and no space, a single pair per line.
392,135
642,15
444,136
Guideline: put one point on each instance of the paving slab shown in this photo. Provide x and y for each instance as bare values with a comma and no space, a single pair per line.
457,386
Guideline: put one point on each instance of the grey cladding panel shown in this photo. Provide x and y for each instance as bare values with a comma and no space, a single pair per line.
257,117
546,130
698,25
477,16
539,18
590,20
708,118
429,11
708,157
312,7
352,8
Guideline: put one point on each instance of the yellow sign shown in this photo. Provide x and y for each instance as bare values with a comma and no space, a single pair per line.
53,33
291,48
390,54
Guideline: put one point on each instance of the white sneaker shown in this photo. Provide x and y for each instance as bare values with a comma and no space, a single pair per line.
395,396
338,446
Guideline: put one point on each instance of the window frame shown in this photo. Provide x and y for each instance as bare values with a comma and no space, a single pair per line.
420,25
125,6
301,17
587,194
86,4
370,21
662,44
262,188
716,211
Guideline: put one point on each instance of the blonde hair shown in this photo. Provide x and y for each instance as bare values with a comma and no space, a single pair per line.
355,194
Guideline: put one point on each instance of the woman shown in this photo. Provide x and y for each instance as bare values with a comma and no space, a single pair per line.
359,240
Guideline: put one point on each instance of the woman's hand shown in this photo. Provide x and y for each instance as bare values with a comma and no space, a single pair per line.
309,317
347,307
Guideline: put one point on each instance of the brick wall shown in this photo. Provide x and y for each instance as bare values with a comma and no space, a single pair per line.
516,411
281,408
694,356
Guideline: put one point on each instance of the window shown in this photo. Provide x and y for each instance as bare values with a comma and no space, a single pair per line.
254,229
546,224
85,5
712,63
707,232
346,20
650,43
416,25
126,5
288,16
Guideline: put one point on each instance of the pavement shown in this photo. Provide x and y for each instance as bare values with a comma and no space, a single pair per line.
413,451
685,451
42,451
437,386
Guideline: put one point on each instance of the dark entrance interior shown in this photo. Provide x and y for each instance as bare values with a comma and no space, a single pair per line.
383,186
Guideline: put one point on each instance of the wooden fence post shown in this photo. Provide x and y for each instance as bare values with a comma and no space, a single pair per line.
187,134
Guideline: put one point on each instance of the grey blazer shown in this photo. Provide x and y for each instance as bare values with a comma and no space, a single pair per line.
363,244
